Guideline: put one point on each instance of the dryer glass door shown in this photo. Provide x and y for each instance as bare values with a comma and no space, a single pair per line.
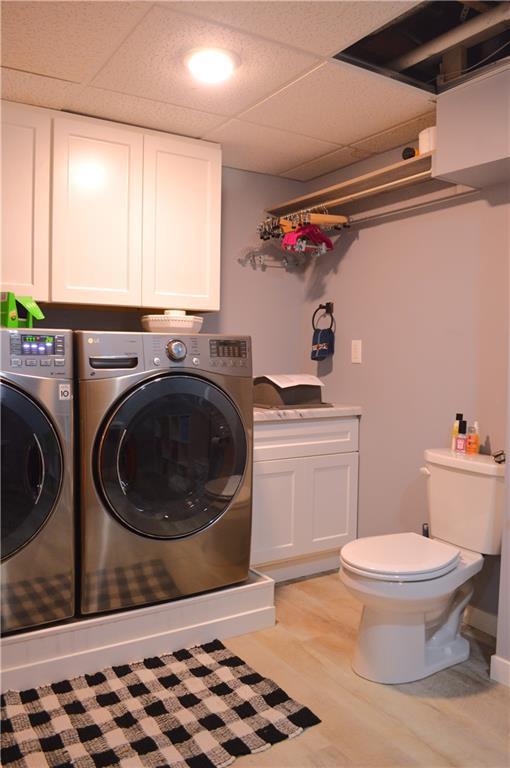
171,457
31,468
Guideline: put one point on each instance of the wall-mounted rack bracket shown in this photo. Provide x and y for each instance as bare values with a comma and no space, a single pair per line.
406,173
392,177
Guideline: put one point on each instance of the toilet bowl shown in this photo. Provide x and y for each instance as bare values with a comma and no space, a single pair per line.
411,615
414,589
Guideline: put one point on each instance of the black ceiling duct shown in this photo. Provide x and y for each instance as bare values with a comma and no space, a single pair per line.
434,45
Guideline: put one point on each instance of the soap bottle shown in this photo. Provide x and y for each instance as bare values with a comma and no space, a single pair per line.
473,439
455,430
460,440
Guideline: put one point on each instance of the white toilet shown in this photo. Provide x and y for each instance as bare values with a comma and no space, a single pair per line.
414,589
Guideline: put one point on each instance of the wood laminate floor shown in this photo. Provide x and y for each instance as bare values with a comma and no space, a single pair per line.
457,717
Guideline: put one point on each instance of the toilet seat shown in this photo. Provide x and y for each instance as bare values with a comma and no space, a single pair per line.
399,557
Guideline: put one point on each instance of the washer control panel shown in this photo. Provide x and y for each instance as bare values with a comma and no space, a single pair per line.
228,353
207,352
37,352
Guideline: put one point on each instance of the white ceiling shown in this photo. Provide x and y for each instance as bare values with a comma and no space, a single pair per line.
290,109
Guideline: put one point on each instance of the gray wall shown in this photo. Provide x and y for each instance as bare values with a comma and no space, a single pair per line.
428,295
266,304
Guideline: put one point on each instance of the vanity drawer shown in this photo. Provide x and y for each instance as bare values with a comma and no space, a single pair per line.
307,437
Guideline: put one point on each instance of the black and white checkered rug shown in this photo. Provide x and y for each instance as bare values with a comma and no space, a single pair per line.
196,708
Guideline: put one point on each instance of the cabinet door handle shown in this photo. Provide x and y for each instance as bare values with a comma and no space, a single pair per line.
425,471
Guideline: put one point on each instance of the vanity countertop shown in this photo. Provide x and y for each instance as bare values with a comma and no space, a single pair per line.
296,414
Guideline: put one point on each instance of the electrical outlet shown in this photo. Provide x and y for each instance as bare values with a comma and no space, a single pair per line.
356,351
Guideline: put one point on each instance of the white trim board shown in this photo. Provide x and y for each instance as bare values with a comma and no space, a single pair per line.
500,670
87,645
483,620
299,567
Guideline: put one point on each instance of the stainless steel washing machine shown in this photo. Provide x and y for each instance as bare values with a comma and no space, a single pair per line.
37,528
166,452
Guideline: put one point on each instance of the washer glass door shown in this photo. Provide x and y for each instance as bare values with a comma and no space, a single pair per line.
171,457
31,468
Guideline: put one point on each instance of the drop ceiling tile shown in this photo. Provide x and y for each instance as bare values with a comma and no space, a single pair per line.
37,90
70,40
143,112
398,135
323,28
150,64
341,103
326,164
265,150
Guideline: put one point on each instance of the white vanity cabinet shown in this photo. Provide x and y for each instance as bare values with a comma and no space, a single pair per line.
305,494
26,145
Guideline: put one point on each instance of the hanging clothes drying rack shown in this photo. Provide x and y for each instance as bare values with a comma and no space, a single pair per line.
313,207
300,233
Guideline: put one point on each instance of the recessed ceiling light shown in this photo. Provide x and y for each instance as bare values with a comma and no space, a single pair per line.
211,65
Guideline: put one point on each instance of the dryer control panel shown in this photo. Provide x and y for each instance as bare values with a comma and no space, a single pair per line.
103,354
37,352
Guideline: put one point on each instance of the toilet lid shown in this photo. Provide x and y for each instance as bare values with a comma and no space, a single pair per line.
400,557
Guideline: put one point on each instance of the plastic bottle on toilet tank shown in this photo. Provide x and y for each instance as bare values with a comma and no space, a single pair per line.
455,430
473,439
461,439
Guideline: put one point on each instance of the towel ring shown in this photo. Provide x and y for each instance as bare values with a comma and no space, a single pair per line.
328,310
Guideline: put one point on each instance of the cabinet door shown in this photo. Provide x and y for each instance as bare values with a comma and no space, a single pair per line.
332,482
26,134
97,211
278,495
181,223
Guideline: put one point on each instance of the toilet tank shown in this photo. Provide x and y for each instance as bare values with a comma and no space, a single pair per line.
466,499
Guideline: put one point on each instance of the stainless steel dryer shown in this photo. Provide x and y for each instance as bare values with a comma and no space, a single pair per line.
166,453
37,529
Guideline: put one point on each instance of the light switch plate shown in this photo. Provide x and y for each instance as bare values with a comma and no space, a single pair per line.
356,351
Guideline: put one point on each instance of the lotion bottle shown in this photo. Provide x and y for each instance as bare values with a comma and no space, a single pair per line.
460,440
455,431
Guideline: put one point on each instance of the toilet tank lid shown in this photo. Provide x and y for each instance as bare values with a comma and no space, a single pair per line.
478,463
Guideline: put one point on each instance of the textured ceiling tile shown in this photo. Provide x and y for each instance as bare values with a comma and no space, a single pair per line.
323,28
143,112
341,103
150,64
265,150
398,135
36,90
70,40
326,164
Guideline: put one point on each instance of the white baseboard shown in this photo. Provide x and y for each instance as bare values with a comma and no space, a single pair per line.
87,645
309,565
500,670
482,620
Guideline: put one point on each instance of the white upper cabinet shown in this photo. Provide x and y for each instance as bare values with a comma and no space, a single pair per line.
97,204
473,131
26,136
181,223
136,215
